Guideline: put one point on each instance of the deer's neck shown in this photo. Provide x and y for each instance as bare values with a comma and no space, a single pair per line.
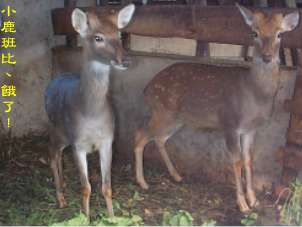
94,83
264,77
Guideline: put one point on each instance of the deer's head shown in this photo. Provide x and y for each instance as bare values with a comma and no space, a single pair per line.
267,31
101,34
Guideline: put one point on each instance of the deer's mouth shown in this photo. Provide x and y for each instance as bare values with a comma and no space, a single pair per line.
121,66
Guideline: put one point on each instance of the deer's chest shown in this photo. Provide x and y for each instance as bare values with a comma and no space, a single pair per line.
255,113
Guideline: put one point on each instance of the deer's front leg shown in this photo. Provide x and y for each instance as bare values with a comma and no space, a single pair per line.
247,143
234,147
105,161
81,160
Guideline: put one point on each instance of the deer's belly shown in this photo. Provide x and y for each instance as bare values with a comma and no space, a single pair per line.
254,121
203,120
92,132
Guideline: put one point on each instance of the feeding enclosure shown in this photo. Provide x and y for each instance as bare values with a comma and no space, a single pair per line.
161,33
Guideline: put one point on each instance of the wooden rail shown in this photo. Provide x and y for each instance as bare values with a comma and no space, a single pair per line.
221,24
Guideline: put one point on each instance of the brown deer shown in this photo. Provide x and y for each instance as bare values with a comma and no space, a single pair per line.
234,100
78,107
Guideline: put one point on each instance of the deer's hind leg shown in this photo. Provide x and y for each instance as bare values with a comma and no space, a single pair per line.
161,140
56,148
161,127
142,138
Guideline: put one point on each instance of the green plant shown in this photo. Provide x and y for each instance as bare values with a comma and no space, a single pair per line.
120,221
291,212
180,218
123,217
79,220
209,222
249,219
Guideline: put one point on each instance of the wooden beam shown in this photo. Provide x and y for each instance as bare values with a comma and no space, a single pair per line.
207,24
71,39
202,48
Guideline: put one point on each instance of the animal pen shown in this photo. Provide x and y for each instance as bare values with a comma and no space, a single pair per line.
212,33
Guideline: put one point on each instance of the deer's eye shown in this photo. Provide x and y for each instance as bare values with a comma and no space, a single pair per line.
254,34
279,35
99,38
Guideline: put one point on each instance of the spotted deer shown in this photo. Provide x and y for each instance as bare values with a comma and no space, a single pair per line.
78,107
235,100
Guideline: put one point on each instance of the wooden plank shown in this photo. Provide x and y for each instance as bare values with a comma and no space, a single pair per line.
222,24
71,39
202,48
293,158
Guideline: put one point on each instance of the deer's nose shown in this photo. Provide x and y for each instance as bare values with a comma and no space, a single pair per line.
267,58
126,61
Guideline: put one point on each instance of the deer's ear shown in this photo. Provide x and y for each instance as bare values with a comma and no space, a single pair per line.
79,22
290,21
247,14
124,16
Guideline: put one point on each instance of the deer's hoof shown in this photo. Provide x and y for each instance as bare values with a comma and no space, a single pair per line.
110,213
63,184
243,207
143,185
177,178
253,202
62,202
85,210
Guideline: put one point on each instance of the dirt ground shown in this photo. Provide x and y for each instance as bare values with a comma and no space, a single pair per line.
27,194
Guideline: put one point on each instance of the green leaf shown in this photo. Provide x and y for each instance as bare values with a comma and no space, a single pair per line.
120,221
116,205
180,218
249,219
79,220
183,221
136,219
137,196
209,222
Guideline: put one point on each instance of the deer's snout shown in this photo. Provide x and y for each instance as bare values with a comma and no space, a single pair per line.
121,61
267,58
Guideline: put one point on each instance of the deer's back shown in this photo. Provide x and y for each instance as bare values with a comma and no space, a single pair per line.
192,90
59,96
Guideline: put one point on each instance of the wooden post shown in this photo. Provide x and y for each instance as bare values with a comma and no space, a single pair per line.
245,48
125,2
104,2
71,40
202,48
294,52
291,157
